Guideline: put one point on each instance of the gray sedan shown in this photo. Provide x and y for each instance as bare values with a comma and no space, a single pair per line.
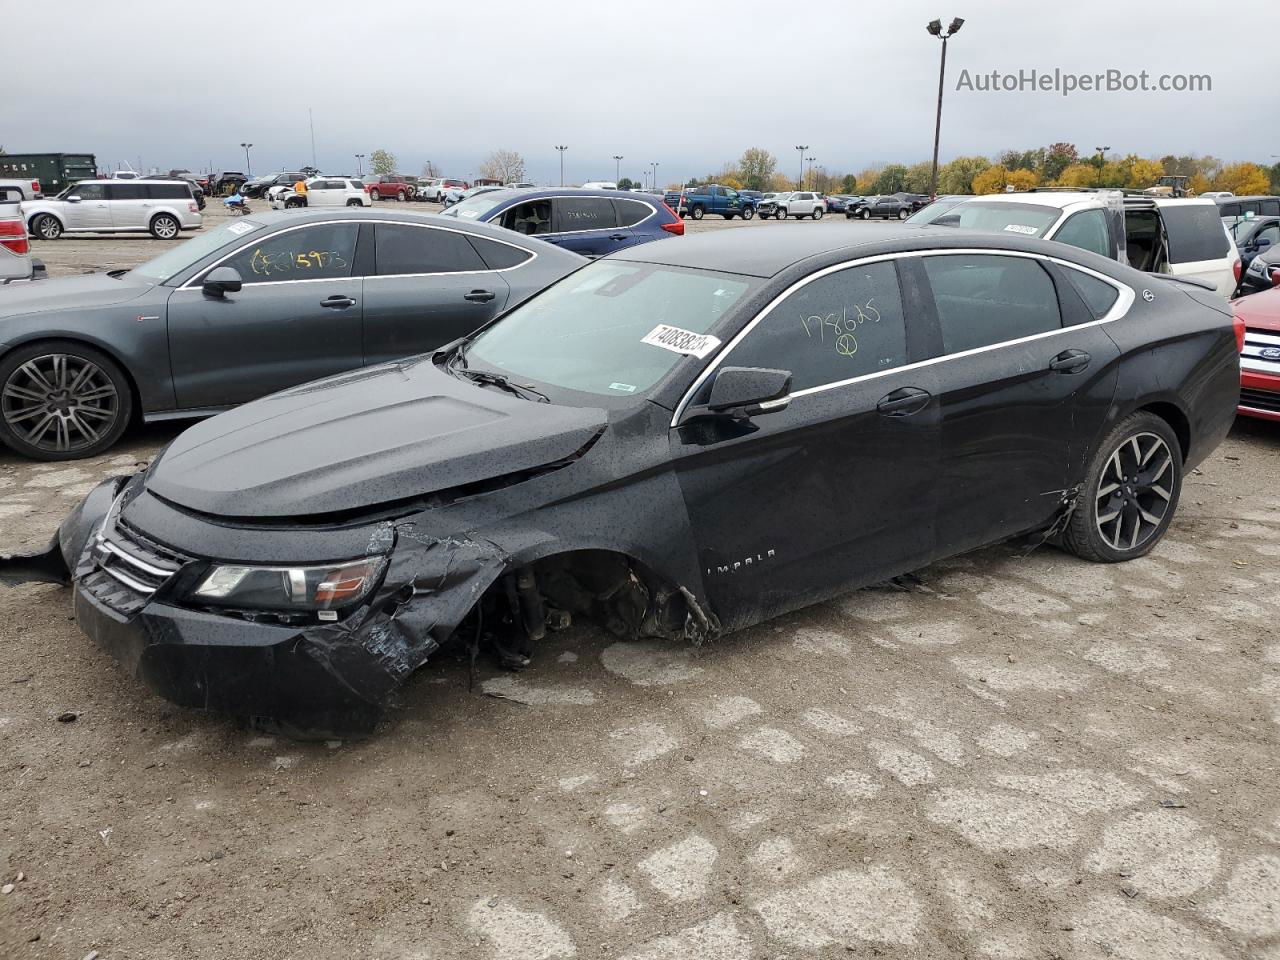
255,306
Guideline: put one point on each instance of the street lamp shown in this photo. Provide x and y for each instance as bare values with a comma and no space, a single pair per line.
247,168
617,168
360,164
1102,155
811,159
802,149
562,149
935,29
654,164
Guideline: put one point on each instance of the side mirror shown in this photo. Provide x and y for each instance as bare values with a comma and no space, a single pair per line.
221,281
745,392
74,198
1262,243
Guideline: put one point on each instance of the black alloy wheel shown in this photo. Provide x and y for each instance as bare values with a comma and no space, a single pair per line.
1131,492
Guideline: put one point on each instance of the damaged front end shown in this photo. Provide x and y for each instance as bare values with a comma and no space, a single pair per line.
330,668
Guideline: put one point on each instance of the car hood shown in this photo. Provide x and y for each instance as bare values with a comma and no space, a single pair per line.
361,440
69,293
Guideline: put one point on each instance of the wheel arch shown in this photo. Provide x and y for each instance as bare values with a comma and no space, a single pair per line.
1176,417
44,213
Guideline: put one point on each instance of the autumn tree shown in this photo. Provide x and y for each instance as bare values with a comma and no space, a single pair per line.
382,161
892,179
957,176
1144,173
504,165
1079,175
996,179
1057,157
1243,179
756,167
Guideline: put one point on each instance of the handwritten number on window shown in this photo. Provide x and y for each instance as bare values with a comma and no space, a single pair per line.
843,326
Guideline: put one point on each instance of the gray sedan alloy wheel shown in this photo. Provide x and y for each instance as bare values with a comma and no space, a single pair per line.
59,406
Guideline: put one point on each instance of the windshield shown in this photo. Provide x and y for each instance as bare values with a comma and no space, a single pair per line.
172,262
933,211
1026,219
1240,229
613,328
477,205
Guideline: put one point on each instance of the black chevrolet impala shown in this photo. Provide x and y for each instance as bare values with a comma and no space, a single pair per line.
677,441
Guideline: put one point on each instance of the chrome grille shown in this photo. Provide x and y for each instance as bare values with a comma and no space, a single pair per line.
125,569
1258,344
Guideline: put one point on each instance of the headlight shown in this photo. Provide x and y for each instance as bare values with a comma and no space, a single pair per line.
326,588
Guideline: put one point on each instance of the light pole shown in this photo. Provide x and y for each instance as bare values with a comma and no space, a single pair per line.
811,159
801,150
654,164
617,168
1102,160
562,149
360,164
248,169
935,28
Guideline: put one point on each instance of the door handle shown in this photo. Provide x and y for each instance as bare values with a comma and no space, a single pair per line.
617,236
337,302
1070,361
479,296
903,402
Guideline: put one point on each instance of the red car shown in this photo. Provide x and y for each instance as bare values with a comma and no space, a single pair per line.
1260,357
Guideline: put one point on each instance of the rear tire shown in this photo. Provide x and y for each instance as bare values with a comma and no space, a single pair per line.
374,193
354,203
697,213
46,227
817,213
1130,492
165,226
90,415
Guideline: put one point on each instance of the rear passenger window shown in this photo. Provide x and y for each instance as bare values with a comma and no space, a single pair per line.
846,324
401,249
1270,207
631,212
1086,230
584,213
126,191
1195,233
984,300
167,191
1099,295
499,256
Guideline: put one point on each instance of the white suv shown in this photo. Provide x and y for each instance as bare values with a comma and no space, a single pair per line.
802,203
1182,237
322,192
163,208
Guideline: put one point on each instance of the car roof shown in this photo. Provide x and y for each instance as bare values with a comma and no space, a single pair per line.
766,253
1060,199
1252,196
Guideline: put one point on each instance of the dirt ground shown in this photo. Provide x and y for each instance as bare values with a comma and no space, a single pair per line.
1023,757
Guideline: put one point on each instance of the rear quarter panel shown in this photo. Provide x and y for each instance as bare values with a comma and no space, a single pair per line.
1179,349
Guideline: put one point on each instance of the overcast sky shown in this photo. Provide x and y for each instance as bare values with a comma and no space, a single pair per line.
689,85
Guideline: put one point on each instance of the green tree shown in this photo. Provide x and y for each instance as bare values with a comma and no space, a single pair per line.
957,176
625,184
756,168
892,179
383,161
918,177
1274,173
849,183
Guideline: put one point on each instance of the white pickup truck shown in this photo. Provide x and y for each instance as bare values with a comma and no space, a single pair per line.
16,262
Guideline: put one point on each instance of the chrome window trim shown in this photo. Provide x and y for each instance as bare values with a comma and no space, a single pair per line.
533,254
1124,301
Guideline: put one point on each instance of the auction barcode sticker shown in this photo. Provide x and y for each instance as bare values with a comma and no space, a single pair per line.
1021,228
681,341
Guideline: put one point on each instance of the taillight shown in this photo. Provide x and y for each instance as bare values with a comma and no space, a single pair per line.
1235,269
35,188
677,225
13,237
1275,276
193,207
1237,322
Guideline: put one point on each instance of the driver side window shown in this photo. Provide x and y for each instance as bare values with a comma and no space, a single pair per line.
843,325
90,191
323,252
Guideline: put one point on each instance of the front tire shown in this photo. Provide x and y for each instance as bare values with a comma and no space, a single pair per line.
864,214
1130,492
748,213
46,227
165,227
903,214
401,196
61,400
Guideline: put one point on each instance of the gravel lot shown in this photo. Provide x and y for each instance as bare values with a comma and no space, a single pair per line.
1022,757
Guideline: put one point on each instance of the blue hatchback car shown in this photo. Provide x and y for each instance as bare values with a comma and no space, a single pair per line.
592,223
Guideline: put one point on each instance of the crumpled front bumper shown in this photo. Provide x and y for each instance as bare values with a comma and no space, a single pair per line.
320,679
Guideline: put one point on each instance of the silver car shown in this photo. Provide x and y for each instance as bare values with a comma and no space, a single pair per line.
163,208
